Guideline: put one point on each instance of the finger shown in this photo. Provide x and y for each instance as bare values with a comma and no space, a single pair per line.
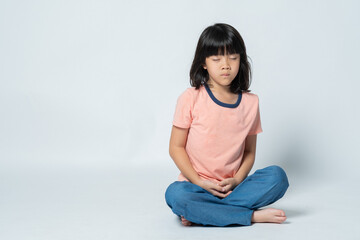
228,188
228,193
218,194
225,188
224,195
224,182
217,187
222,189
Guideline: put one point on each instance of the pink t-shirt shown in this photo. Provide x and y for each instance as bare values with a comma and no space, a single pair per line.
216,138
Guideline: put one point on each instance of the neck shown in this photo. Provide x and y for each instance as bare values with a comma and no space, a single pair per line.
218,88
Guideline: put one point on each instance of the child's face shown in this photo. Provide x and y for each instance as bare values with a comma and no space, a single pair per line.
222,69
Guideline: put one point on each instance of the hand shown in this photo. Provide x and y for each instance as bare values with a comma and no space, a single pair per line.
214,188
228,184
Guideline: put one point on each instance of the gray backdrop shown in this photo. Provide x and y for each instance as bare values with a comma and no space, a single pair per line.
93,84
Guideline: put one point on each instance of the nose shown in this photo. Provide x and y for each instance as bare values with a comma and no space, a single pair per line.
226,64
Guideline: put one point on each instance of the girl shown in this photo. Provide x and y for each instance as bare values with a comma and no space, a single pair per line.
213,140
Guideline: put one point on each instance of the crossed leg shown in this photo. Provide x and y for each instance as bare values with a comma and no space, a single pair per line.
264,187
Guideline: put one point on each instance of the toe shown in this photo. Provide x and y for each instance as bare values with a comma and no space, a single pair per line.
279,212
281,219
185,222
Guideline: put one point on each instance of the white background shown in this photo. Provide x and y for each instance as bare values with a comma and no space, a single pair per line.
88,92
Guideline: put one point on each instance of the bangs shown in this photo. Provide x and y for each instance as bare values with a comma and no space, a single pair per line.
219,43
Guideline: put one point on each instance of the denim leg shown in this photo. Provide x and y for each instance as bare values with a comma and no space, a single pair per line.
199,206
262,188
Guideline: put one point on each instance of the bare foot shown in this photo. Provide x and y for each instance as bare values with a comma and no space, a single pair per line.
269,215
185,222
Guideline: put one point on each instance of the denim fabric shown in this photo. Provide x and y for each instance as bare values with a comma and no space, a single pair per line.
199,206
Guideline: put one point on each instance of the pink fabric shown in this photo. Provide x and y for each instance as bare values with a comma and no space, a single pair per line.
216,139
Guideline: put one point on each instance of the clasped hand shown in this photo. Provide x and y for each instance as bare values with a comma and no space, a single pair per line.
221,189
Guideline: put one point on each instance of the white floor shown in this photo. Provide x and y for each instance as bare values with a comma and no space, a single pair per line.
129,204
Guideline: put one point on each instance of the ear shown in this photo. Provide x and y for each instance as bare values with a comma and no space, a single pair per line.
204,66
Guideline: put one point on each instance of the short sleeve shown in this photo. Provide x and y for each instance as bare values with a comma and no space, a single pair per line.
182,116
256,125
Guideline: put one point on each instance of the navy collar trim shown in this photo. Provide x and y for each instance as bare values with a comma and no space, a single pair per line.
228,105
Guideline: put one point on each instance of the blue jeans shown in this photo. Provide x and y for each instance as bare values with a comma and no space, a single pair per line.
199,206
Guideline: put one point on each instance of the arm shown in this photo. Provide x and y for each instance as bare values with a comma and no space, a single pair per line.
179,155
248,159
245,167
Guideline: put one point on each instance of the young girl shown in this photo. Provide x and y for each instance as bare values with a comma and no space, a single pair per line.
213,140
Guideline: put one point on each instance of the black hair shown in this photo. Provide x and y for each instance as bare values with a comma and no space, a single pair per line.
216,40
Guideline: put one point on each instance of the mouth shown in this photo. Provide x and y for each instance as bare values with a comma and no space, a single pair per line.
225,75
